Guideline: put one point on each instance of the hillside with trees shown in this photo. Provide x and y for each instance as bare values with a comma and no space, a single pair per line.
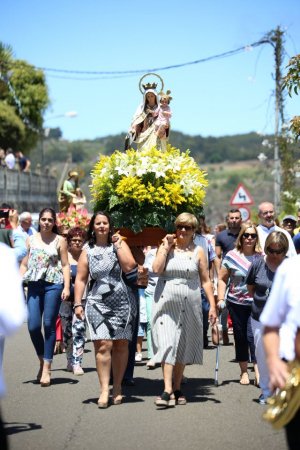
203,149
228,160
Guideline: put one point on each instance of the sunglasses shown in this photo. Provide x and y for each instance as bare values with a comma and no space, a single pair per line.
272,251
250,235
184,227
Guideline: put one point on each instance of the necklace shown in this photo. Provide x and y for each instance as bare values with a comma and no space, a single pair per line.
185,249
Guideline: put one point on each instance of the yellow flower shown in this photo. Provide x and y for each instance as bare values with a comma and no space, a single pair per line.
150,179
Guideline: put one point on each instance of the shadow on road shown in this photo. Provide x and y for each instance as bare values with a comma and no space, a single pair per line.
54,381
17,427
196,390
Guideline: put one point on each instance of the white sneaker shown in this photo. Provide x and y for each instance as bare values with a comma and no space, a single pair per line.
138,357
150,365
78,370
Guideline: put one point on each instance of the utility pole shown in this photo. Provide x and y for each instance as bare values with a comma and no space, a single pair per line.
275,38
277,162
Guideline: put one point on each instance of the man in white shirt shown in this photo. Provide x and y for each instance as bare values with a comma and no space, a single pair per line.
25,226
267,224
12,310
281,318
10,159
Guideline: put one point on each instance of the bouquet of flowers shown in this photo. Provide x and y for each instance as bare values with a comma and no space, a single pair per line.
73,218
148,188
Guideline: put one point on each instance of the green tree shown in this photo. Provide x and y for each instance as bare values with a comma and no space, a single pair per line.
23,101
291,82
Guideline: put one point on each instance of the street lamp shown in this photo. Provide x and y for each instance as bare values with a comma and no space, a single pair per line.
66,114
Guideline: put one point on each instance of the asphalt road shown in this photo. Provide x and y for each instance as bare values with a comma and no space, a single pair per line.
65,416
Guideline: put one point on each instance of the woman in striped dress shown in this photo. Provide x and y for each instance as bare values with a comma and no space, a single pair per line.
232,287
177,313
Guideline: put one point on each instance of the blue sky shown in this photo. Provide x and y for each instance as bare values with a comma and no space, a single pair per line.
220,97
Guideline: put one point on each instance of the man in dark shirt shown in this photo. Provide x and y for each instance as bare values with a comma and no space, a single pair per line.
225,241
24,163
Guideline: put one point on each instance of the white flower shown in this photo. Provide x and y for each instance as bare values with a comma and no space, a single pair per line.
265,143
160,172
142,166
189,184
287,194
122,171
175,164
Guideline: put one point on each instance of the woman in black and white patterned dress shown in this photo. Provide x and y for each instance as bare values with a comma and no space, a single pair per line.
110,305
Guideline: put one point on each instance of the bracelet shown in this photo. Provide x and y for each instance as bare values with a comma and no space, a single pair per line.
76,305
119,246
161,252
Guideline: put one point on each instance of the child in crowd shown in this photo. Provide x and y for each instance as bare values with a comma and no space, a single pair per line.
79,201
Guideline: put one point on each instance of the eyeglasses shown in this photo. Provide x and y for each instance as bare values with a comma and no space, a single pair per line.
184,227
77,241
274,251
250,235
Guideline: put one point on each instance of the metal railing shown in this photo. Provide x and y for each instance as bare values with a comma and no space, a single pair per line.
28,191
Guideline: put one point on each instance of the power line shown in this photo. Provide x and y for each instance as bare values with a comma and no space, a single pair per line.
120,73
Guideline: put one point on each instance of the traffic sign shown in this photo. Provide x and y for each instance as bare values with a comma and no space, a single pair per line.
241,196
245,213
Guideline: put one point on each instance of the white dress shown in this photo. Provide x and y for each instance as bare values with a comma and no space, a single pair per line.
177,330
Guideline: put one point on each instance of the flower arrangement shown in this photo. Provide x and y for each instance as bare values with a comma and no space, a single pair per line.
148,187
73,218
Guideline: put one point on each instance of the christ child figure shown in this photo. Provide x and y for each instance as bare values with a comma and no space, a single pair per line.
164,114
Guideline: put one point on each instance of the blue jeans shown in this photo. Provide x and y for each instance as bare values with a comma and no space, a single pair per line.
43,299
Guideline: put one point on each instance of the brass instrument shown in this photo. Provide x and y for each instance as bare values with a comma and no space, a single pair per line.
284,404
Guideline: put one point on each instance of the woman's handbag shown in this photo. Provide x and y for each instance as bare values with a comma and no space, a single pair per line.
216,333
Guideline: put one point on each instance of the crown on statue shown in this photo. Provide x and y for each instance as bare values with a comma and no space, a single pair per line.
149,86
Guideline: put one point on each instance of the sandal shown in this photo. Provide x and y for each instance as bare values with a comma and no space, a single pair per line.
244,379
103,404
117,399
165,400
179,398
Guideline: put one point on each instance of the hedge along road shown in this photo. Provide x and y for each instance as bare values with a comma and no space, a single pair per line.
65,416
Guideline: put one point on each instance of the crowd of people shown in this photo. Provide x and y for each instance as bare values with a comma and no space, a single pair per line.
93,279
14,160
